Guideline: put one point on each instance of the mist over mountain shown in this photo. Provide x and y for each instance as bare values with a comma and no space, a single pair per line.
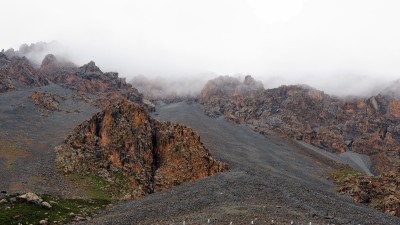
233,111
340,47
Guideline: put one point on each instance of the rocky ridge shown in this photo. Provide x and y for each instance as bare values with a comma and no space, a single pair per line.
16,72
369,126
124,143
90,83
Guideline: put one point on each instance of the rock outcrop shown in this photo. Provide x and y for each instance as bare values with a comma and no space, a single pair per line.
123,141
381,192
19,72
90,83
33,198
364,125
47,101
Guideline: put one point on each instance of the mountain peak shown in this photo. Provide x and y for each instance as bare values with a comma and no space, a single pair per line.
91,68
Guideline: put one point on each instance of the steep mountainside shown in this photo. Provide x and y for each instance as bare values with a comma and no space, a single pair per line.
370,126
151,156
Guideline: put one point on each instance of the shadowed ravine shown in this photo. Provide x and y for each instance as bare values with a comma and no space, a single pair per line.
270,179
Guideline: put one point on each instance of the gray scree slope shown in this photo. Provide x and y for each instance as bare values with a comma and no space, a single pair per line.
269,179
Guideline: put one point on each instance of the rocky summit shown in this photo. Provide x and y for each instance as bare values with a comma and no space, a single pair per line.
123,142
369,126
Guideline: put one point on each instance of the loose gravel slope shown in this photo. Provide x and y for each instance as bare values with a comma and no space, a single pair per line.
270,179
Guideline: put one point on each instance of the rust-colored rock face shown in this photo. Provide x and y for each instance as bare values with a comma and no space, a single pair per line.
123,139
381,192
370,126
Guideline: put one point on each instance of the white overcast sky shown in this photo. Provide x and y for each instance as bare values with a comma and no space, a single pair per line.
339,46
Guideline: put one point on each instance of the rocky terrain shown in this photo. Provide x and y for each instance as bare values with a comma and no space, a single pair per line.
88,81
79,139
368,126
151,156
126,153
380,192
16,72
270,181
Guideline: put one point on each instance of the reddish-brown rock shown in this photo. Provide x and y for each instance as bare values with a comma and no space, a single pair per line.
18,71
365,125
47,101
88,80
152,155
382,192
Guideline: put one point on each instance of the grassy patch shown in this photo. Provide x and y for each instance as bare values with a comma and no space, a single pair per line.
98,188
60,213
341,174
95,187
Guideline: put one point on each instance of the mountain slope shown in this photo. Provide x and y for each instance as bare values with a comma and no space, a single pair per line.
368,126
269,179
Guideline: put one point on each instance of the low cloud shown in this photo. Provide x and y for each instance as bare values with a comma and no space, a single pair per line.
340,47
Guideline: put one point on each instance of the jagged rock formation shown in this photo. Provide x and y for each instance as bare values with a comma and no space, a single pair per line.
370,126
152,155
89,82
18,71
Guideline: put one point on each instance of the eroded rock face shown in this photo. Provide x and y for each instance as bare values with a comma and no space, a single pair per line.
124,140
18,71
88,80
370,126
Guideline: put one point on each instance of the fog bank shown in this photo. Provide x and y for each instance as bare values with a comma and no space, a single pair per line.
341,47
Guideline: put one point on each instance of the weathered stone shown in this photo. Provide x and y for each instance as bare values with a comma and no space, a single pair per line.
151,155
43,222
30,197
46,204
